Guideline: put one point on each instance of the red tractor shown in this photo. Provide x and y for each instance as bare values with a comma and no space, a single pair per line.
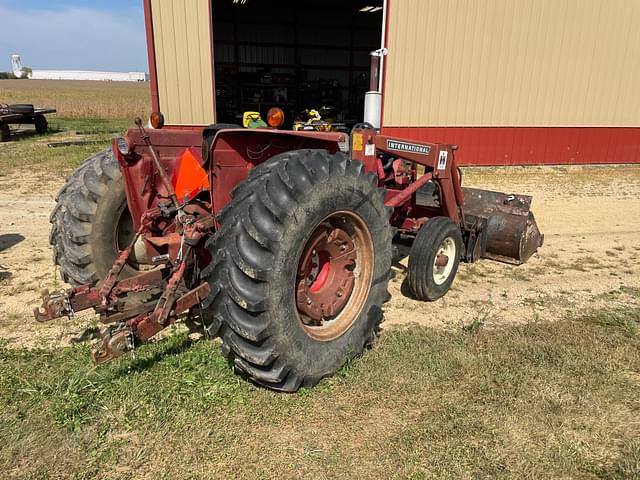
279,242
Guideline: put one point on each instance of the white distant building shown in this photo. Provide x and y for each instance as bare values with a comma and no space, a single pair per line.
16,65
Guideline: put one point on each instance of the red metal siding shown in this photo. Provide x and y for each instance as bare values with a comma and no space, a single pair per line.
487,146
524,84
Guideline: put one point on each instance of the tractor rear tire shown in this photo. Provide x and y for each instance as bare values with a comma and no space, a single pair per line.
259,270
40,122
426,277
90,221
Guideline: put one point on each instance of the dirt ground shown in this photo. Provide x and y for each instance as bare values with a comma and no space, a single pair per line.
590,217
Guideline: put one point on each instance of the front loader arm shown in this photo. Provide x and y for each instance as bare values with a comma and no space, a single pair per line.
437,159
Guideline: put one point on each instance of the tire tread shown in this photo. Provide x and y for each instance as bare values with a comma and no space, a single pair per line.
243,251
71,218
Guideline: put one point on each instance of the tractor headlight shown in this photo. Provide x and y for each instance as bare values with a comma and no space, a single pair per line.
123,146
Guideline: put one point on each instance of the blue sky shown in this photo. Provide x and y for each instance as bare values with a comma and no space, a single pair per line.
73,34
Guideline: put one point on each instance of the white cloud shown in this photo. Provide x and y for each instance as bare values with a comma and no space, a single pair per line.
73,38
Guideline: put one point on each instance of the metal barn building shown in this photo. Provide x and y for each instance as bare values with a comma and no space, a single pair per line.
511,82
16,66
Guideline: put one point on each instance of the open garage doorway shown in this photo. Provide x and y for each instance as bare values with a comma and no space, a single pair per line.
296,55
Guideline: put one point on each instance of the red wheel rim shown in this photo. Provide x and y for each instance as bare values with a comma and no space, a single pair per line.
334,275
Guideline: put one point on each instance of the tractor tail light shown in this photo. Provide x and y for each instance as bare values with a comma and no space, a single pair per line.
275,117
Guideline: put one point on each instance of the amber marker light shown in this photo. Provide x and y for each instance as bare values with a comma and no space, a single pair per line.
157,120
275,117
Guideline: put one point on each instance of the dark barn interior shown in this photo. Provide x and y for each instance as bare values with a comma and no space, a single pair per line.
296,55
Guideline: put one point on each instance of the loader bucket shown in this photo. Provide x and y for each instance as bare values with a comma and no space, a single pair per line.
511,231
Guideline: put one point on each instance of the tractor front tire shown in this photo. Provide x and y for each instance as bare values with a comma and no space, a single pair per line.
300,268
90,221
434,258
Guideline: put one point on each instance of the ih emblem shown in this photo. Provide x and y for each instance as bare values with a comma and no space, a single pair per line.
442,160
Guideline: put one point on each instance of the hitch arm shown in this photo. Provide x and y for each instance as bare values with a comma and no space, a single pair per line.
67,302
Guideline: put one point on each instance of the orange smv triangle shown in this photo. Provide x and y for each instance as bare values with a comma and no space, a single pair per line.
189,178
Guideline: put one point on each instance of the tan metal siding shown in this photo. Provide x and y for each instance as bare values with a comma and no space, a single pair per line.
513,63
182,39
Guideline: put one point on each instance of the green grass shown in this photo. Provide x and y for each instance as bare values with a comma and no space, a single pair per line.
542,400
31,151
626,320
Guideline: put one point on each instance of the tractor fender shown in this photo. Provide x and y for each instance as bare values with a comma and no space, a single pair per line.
233,152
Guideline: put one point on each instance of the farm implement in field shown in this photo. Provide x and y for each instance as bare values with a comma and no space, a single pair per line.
22,114
279,242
